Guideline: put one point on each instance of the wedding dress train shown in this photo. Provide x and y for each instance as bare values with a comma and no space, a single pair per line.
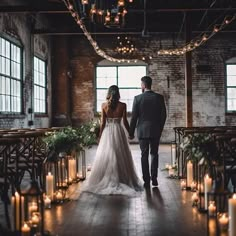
113,171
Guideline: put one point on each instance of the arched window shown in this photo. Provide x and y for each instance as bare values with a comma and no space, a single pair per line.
231,85
126,76
10,76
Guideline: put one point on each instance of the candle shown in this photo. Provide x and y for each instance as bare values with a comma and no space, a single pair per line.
22,211
25,230
32,207
183,184
35,218
223,222
47,202
232,215
80,176
173,154
17,212
207,188
13,210
193,186
212,209
59,196
72,169
194,199
50,185
189,173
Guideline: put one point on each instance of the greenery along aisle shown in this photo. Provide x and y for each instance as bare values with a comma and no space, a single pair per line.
71,139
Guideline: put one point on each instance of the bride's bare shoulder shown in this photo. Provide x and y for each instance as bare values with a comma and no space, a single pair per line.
122,104
104,105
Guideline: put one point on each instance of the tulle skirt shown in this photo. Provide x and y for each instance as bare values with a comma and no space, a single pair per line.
113,171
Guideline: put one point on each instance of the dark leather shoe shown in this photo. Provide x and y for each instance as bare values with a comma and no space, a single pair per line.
154,182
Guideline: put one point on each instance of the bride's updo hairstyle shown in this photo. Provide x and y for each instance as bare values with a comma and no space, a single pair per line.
113,97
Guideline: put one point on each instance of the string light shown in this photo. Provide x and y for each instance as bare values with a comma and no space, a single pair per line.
198,41
125,46
96,48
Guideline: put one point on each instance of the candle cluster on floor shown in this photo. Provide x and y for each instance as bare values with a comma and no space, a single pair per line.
217,221
29,205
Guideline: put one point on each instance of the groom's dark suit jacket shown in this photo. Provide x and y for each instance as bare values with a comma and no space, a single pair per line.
149,114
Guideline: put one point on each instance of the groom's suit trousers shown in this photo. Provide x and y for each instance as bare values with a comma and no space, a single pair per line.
153,144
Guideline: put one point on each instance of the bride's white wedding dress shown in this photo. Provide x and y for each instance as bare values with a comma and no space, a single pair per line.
113,171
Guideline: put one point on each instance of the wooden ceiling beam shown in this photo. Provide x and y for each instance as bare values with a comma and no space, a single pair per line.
62,10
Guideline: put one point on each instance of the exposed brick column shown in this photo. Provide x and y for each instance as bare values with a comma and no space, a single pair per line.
60,84
188,76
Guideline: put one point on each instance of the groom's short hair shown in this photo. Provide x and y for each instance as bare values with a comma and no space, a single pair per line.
147,80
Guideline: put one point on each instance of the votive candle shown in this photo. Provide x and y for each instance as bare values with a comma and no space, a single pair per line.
232,215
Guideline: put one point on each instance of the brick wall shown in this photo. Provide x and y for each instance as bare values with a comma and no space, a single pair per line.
17,27
168,79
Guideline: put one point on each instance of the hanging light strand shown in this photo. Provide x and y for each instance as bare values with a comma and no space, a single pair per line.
198,41
94,44
193,44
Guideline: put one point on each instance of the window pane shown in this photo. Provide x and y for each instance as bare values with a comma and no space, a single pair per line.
108,72
3,47
101,98
41,66
3,102
8,86
106,76
18,89
231,69
130,76
231,104
36,64
18,74
7,49
18,108
127,96
42,79
8,103
3,85
231,92
18,54
231,80
105,82
3,65
7,67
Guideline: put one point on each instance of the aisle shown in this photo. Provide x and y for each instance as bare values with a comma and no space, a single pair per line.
160,211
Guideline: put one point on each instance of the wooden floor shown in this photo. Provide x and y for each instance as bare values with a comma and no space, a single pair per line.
165,210
159,211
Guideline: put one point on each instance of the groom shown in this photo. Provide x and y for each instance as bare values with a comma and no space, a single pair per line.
149,113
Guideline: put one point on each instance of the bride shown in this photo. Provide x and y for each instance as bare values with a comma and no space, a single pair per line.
113,171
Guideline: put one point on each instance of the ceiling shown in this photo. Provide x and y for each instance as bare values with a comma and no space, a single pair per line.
159,17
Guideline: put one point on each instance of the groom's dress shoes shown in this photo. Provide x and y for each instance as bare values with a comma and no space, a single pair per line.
154,183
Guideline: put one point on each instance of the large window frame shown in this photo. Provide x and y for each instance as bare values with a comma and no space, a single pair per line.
229,86
136,89
11,76
40,86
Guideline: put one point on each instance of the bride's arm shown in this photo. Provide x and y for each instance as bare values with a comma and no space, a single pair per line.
103,121
125,121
